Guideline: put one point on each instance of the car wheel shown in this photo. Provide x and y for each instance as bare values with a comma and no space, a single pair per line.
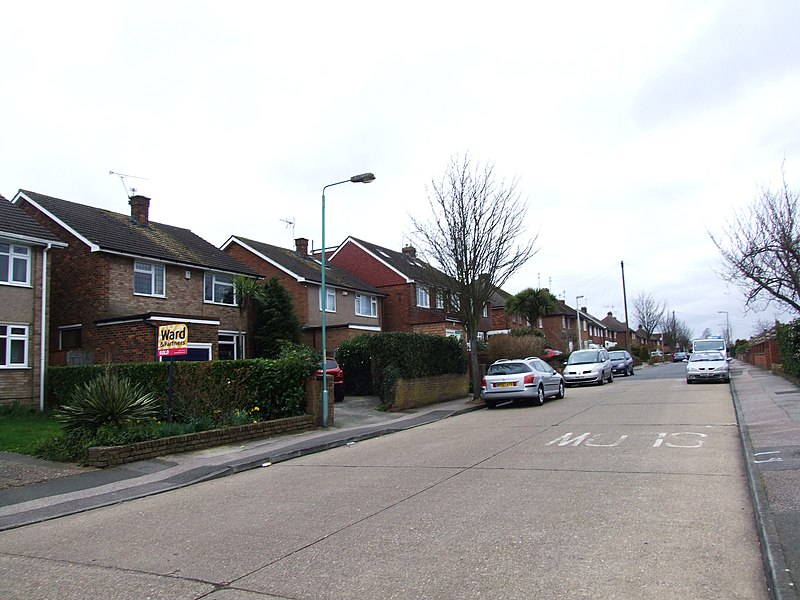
490,403
338,393
601,380
688,381
631,371
540,396
611,377
560,390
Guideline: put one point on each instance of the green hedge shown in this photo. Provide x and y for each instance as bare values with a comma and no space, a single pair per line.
272,388
372,364
789,345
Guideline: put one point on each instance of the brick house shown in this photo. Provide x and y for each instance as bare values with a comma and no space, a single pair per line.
25,272
502,321
411,304
354,307
560,327
123,276
616,331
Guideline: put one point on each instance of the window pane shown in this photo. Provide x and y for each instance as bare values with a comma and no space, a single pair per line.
3,351
158,280
223,293
209,287
17,352
141,283
20,270
3,268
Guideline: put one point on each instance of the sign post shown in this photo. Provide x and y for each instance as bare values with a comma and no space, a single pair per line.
173,340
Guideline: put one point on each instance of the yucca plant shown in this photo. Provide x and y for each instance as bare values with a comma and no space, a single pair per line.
109,399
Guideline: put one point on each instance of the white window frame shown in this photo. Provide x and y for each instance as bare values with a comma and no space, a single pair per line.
213,277
485,310
423,296
151,269
373,305
440,299
330,305
10,336
234,335
17,252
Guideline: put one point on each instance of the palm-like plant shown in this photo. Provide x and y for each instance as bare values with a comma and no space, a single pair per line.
109,399
247,291
531,304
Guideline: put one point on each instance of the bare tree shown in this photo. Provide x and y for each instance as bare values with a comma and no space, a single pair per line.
472,239
677,333
648,313
760,248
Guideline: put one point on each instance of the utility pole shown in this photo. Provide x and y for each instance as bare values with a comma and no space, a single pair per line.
578,312
625,302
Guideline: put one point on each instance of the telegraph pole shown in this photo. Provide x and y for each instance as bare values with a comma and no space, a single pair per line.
625,303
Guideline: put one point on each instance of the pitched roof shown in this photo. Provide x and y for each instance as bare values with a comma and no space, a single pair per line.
306,267
411,267
16,223
114,232
613,324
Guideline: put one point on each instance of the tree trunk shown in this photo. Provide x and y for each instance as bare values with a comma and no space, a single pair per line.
473,359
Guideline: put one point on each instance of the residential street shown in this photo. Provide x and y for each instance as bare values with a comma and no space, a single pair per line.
635,489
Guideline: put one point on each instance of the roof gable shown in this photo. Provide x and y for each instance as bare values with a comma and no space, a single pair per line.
303,268
107,231
17,224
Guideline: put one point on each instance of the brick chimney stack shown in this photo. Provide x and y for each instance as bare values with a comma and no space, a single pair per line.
410,251
301,246
140,210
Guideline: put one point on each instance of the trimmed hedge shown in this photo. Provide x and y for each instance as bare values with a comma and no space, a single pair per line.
273,388
789,345
372,364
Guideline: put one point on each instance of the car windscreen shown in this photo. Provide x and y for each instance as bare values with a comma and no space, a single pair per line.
582,357
331,364
509,368
705,356
617,355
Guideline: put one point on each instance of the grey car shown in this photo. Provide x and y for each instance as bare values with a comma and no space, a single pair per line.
588,366
521,379
621,362
707,366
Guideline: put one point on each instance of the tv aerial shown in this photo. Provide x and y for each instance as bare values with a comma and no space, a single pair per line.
289,223
123,177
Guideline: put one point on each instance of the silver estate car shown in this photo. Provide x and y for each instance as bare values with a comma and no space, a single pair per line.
521,379
588,366
707,366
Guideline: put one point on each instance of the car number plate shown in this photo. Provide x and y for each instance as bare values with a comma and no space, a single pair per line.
504,384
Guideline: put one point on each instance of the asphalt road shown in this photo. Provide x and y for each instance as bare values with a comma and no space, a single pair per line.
635,489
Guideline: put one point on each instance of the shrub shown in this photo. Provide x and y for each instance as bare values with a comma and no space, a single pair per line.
110,399
789,345
644,354
373,363
514,346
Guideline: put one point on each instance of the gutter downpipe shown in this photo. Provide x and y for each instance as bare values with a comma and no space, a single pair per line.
43,349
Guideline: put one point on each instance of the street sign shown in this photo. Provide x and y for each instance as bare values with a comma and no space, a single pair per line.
173,339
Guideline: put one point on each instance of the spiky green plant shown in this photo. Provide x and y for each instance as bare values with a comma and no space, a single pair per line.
109,399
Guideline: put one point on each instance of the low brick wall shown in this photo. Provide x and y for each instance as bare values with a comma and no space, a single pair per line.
108,456
411,393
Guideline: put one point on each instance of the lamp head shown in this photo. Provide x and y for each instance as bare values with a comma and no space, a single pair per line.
363,178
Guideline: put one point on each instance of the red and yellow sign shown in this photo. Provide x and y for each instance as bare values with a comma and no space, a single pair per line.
173,340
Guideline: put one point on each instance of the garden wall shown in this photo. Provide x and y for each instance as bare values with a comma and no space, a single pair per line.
411,393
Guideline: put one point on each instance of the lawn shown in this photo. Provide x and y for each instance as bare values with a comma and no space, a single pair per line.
22,430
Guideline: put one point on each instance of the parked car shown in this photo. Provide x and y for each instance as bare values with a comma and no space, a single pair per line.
621,362
334,372
588,366
680,357
656,353
708,366
521,379
550,353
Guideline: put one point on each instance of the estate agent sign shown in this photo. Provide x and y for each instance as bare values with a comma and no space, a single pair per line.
173,339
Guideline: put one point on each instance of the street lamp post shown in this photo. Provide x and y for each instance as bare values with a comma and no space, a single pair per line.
363,178
578,312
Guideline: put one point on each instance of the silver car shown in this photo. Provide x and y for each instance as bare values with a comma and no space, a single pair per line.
708,366
588,366
521,379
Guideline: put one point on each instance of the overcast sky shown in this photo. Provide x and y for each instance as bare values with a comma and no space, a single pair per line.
634,128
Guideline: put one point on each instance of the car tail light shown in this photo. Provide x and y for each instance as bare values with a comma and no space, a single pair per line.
529,379
483,382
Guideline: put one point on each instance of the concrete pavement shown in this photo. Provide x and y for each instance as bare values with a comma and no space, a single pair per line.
356,419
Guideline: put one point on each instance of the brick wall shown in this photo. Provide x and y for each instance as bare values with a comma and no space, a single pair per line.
108,456
411,393
363,265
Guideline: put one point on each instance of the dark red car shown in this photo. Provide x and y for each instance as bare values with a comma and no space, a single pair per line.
334,372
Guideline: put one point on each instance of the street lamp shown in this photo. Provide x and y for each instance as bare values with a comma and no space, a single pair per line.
578,311
363,178
727,328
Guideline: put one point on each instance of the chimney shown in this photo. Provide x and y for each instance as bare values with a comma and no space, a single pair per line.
583,310
610,314
140,210
301,246
410,251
